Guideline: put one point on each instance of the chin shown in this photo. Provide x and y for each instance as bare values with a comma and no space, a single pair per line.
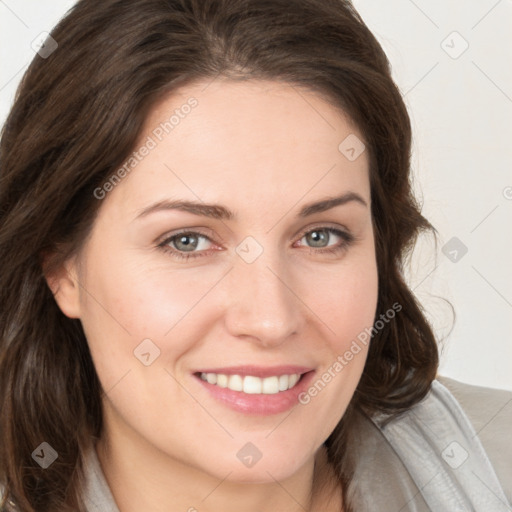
271,466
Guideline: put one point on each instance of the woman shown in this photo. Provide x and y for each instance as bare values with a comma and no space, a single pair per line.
205,211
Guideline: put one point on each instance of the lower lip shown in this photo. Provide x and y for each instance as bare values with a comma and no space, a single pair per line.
258,403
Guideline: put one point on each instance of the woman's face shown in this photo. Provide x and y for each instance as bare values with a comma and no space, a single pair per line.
250,300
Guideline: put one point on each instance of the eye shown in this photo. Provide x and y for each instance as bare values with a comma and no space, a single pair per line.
320,238
187,244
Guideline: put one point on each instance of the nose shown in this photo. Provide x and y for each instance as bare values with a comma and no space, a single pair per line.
262,306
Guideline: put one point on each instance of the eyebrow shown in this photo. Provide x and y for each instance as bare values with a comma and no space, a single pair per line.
217,211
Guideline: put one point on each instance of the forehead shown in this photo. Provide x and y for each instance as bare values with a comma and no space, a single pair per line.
244,142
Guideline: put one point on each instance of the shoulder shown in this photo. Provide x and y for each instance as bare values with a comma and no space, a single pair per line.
456,450
490,413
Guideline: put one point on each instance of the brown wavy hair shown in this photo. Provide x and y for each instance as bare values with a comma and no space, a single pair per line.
76,118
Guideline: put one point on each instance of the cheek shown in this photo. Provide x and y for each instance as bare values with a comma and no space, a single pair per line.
350,315
128,301
346,301
348,307
153,301
354,308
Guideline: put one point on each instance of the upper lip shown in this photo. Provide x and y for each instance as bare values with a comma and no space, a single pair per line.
258,371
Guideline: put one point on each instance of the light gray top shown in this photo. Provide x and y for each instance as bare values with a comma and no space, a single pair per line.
428,459
98,497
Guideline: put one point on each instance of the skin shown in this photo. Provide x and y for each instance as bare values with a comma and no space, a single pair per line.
262,149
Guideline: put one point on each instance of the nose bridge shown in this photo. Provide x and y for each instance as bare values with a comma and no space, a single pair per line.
261,304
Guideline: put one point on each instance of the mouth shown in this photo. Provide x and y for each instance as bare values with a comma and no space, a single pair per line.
256,390
252,385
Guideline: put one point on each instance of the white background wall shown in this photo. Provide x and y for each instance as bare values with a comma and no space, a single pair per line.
460,104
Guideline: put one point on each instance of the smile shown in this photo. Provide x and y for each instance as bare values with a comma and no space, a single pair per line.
260,390
251,384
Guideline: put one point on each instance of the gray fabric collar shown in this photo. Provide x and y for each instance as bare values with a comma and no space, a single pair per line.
444,455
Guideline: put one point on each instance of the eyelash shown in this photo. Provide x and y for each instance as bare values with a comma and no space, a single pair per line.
347,240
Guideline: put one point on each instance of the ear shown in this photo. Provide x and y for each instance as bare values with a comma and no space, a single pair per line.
63,283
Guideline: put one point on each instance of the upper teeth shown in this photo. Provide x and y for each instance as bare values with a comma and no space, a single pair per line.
252,385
